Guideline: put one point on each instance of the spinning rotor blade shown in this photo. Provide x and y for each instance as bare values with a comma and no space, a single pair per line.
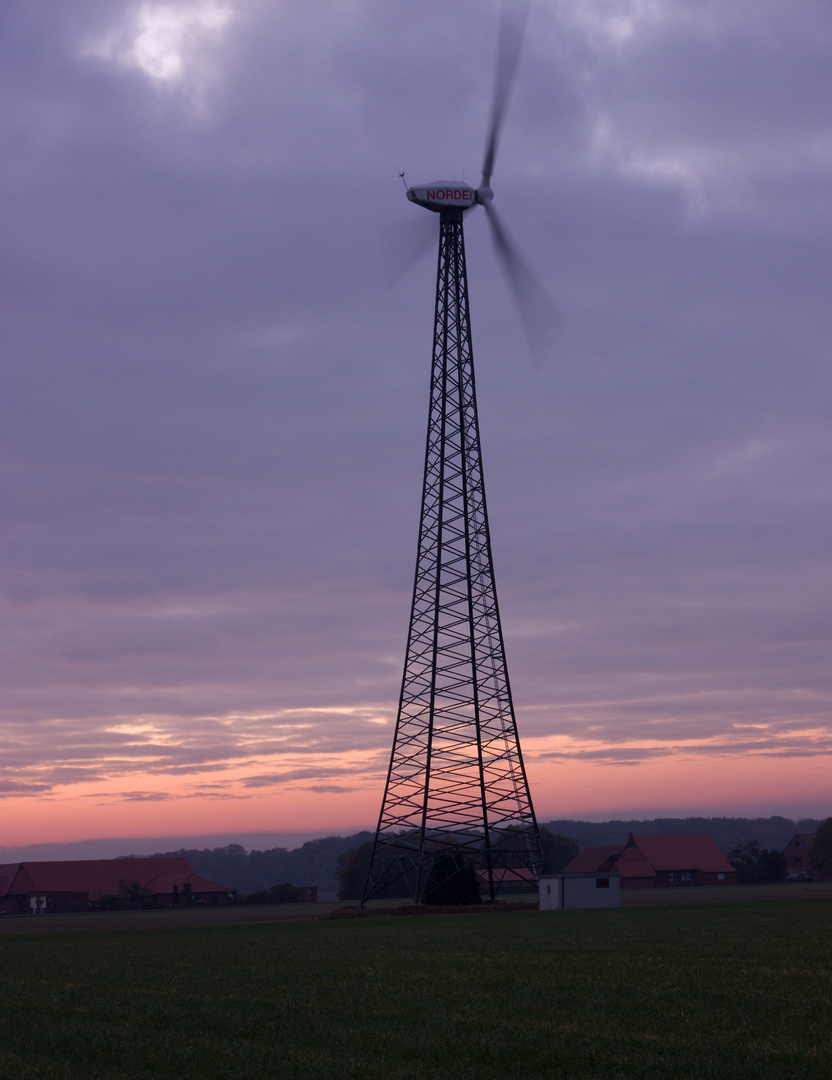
515,14
538,314
406,242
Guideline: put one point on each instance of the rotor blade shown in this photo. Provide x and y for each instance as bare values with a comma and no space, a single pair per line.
406,243
513,19
540,318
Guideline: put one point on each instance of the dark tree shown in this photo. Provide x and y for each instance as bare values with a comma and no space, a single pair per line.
452,881
313,863
137,894
351,871
820,853
558,851
756,865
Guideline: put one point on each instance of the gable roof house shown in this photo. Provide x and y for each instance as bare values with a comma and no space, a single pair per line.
648,862
46,887
796,853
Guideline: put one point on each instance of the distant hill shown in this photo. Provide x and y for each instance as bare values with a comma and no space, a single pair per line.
314,862
772,832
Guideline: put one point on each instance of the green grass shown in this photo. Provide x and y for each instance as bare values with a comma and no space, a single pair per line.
741,990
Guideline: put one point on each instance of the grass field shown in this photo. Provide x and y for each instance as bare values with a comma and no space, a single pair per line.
711,991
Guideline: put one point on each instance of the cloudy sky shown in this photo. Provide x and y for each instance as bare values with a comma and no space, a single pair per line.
214,402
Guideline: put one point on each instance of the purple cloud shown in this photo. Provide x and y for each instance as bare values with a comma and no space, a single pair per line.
214,408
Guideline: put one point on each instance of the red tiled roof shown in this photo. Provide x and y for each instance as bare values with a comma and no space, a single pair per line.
21,882
593,859
644,856
203,884
104,876
691,852
7,876
631,863
801,839
164,883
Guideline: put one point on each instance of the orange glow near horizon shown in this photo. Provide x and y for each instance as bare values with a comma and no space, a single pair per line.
676,785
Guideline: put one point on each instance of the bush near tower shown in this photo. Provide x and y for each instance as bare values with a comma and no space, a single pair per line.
452,880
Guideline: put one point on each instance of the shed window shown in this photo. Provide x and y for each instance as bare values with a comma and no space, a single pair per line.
602,883
720,877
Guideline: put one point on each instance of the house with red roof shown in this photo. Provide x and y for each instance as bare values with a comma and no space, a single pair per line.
796,853
47,887
648,862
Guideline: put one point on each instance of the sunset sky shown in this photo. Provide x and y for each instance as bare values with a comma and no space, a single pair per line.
214,403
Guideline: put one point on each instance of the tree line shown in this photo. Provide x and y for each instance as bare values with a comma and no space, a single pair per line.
727,832
320,862
248,872
757,865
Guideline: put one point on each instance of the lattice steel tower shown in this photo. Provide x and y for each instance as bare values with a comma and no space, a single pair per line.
456,781
456,791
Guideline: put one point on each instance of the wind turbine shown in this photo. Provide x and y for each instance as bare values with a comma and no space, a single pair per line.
457,795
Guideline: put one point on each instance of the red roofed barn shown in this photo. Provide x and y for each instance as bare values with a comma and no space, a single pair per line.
797,855
648,862
47,887
797,859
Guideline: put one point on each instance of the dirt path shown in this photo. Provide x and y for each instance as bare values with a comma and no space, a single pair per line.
271,913
146,920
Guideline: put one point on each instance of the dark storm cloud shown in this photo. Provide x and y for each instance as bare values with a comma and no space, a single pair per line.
214,409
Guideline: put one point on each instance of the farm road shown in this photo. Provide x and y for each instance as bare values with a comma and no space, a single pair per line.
267,913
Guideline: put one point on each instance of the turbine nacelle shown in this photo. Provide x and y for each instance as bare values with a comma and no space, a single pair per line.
539,316
443,195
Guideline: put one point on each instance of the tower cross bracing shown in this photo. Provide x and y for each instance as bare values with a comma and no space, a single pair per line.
456,781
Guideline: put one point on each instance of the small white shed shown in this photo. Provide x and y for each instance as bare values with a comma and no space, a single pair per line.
579,891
